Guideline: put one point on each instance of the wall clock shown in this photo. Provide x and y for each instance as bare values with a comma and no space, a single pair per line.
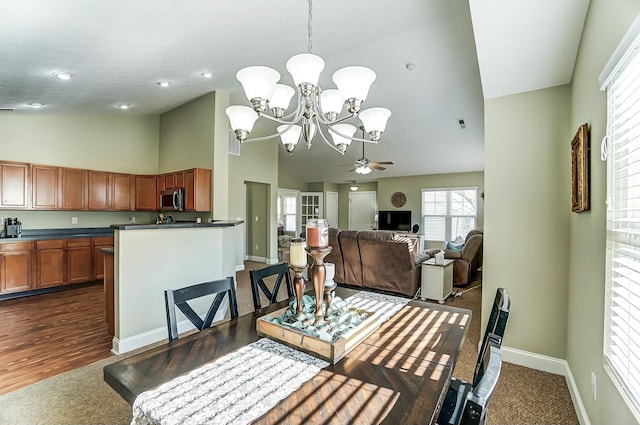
398,199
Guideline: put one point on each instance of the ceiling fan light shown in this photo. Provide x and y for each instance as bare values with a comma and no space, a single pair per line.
258,81
331,102
281,97
353,187
241,117
363,169
290,136
346,130
354,81
305,68
374,119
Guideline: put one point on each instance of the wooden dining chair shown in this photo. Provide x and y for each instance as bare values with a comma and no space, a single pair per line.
179,298
496,325
467,403
281,271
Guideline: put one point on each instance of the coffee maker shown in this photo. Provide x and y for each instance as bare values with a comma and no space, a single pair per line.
12,228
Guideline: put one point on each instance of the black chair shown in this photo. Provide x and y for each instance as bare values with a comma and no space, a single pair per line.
179,297
495,326
467,404
257,283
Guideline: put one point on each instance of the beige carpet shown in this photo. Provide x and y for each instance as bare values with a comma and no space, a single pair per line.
523,396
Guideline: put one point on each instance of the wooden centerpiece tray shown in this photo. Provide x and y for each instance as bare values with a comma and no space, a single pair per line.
329,351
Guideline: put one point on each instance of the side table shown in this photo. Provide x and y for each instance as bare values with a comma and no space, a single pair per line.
437,280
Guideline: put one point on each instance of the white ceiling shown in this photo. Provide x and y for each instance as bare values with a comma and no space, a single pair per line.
119,49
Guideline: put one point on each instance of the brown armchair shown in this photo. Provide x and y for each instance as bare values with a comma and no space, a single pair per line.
467,261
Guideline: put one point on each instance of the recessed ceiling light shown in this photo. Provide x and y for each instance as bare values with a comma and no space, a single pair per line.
36,105
207,74
63,75
163,83
124,106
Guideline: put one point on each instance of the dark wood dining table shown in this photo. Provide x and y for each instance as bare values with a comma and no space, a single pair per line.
397,375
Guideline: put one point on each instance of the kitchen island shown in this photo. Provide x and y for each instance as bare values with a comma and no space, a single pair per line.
149,258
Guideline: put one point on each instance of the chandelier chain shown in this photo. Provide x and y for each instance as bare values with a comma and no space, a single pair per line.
309,30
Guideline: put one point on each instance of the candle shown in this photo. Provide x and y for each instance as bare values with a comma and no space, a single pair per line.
297,254
317,233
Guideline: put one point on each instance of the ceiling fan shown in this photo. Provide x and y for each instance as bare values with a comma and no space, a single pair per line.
364,166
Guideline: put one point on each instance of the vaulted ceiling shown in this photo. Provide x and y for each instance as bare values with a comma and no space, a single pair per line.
436,61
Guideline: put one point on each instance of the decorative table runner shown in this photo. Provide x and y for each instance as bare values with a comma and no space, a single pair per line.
245,384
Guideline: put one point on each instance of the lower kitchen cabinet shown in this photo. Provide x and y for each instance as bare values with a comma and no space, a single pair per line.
79,255
16,267
98,257
50,263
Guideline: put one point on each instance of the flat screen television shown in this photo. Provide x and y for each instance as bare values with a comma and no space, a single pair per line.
394,220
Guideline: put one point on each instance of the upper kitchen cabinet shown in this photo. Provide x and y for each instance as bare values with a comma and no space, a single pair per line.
74,188
14,183
110,191
99,188
122,192
146,193
197,184
44,187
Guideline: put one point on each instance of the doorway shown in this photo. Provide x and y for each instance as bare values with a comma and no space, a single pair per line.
362,210
257,222
332,209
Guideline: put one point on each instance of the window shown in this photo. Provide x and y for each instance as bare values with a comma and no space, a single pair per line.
287,206
448,213
622,272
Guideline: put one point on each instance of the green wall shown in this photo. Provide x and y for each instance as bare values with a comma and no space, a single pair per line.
186,135
126,144
527,204
606,24
412,187
257,163
257,219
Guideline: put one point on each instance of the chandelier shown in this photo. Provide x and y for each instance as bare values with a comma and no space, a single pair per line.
315,107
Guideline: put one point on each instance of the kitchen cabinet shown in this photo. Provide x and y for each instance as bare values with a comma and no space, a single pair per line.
45,187
146,194
50,263
97,244
121,192
16,267
79,260
99,188
197,184
14,183
74,188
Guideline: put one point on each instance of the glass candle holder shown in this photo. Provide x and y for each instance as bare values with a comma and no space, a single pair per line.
297,253
317,233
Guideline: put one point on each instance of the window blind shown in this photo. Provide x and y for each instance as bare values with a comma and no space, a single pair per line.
622,290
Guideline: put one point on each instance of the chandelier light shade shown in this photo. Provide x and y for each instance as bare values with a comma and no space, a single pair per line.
317,111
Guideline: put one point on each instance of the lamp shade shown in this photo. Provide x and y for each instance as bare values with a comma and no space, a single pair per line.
354,81
258,81
281,96
331,101
291,136
305,68
374,119
241,117
346,129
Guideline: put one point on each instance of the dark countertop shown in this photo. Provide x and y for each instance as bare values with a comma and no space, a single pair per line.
178,225
44,234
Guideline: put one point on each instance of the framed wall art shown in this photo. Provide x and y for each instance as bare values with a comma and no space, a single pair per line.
580,170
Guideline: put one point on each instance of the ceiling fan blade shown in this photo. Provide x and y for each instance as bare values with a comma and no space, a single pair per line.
353,169
376,167
383,162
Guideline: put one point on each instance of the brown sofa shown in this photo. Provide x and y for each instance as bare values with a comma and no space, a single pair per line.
375,260
467,261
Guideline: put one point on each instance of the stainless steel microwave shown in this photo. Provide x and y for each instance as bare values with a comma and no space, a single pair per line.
172,200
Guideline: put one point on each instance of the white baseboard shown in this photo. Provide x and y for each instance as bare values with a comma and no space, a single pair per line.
273,261
239,267
551,365
256,259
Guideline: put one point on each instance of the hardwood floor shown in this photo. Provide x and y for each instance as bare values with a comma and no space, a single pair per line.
44,335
